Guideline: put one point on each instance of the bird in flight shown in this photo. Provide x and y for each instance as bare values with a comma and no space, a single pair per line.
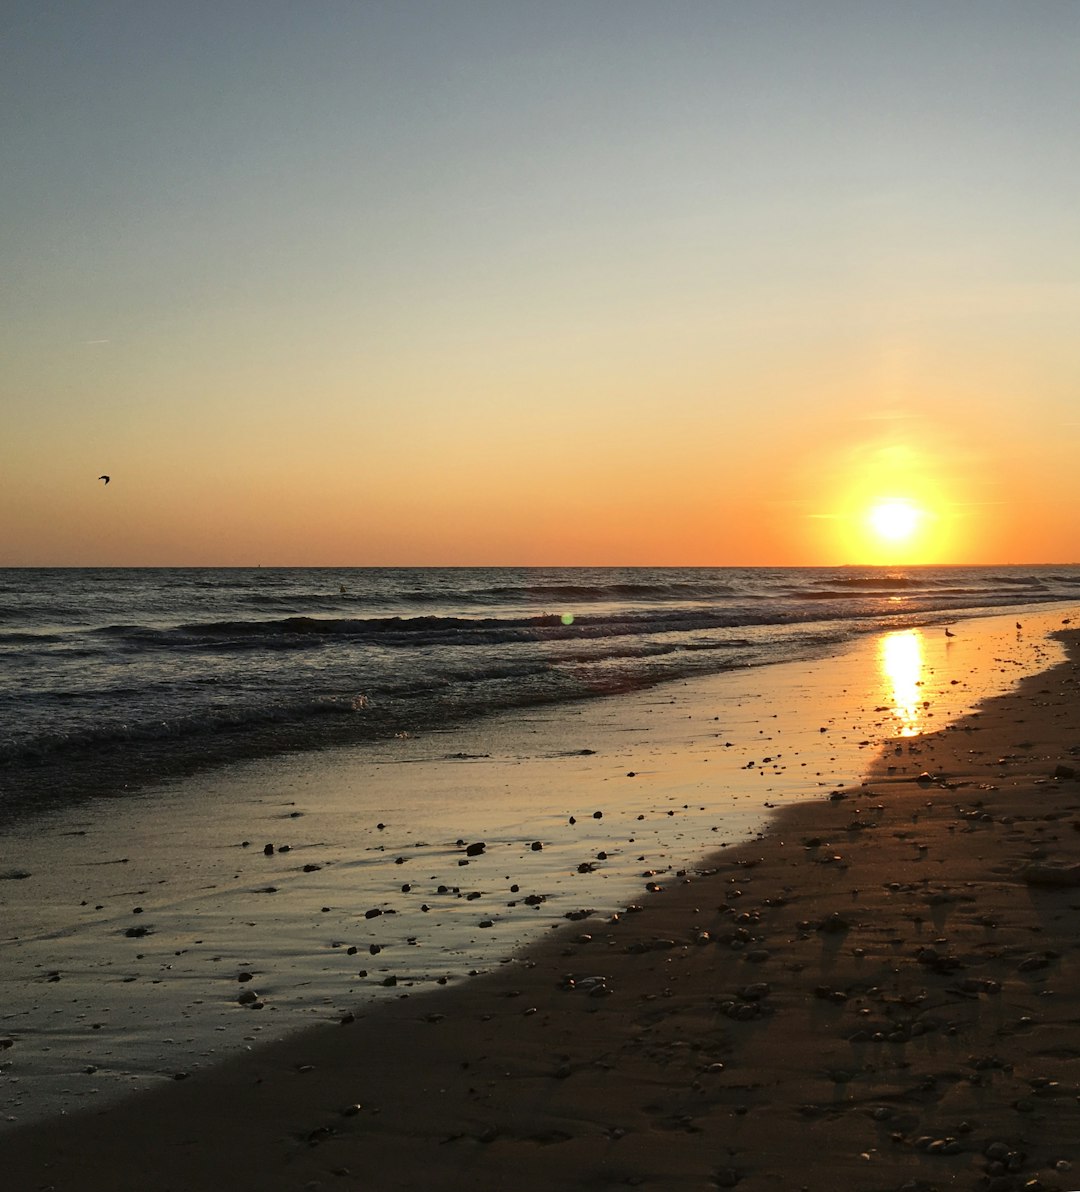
105,478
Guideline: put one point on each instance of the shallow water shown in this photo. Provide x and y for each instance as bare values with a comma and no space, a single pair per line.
100,997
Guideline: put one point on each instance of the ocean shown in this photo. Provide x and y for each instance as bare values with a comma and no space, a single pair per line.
111,679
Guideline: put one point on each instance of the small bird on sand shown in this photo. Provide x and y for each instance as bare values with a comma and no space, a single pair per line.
1019,626
949,632
105,478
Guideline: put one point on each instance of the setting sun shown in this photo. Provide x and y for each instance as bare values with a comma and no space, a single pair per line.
895,520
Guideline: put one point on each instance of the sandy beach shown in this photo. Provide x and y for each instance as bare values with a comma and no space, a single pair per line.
879,992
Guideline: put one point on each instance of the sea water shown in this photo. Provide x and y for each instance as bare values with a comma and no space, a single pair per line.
113,678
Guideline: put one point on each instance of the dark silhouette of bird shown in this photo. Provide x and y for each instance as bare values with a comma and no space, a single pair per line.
1018,626
1066,620
105,478
949,632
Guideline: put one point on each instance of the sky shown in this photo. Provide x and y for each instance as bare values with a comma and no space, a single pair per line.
601,282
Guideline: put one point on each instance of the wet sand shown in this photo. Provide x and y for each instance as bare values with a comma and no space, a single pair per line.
882,992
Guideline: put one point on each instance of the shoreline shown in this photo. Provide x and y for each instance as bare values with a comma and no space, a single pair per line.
899,999
125,938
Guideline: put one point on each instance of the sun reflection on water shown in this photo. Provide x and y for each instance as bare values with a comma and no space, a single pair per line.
901,669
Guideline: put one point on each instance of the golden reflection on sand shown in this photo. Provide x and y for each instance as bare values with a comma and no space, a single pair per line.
901,658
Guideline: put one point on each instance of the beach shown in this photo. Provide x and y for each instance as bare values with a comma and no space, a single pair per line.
873,987
539,608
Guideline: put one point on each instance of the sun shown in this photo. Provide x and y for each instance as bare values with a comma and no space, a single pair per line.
894,520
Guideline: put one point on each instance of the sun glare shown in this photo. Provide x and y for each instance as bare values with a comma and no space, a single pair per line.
901,672
895,521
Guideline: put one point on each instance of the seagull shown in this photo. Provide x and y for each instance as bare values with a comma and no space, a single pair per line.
949,632
105,478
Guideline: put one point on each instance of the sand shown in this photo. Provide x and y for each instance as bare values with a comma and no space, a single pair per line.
880,993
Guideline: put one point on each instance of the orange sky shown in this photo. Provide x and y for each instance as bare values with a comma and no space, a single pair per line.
598,283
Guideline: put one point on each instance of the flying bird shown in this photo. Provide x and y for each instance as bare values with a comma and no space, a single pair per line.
105,478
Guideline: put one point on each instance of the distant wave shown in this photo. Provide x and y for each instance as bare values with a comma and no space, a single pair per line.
527,594
19,638
877,582
298,632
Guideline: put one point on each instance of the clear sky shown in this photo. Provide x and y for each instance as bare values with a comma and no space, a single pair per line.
566,281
